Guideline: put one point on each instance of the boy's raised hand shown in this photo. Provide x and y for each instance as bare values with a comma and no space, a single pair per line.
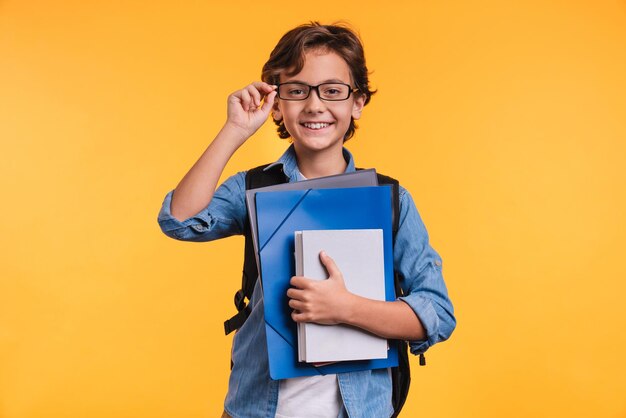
320,301
245,115
245,112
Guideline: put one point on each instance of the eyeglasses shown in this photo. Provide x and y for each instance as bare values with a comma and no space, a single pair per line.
332,92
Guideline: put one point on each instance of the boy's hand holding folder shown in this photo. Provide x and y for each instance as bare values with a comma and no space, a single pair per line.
321,302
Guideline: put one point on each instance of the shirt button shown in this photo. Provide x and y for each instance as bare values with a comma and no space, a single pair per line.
199,228
438,263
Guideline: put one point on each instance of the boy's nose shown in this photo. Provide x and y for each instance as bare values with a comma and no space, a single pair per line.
313,103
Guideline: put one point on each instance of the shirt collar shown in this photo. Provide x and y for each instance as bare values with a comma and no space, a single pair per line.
290,163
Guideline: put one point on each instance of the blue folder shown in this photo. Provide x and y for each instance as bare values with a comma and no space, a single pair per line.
279,215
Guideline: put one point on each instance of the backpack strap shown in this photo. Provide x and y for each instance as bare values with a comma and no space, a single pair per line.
395,201
401,375
257,177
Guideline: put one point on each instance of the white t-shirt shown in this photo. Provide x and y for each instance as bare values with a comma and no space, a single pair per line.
309,397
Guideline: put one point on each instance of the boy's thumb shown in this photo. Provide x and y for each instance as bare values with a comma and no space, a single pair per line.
330,265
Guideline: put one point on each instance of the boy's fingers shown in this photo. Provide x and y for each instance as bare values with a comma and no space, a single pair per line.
299,282
263,86
245,99
297,316
254,95
296,304
294,293
268,102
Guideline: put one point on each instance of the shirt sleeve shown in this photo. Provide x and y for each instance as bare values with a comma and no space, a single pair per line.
421,269
223,216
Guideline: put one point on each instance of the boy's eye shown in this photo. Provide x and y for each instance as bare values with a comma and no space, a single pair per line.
296,92
293,91
332,91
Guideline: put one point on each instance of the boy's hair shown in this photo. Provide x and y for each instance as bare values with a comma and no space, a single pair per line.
288,55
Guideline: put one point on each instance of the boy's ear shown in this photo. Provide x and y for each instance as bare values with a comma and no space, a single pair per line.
357,107
276,114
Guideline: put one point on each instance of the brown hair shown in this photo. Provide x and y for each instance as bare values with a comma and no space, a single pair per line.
288,55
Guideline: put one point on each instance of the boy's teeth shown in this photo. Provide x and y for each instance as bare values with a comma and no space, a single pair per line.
316,125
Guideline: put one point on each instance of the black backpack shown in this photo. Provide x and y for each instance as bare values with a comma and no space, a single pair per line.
260,177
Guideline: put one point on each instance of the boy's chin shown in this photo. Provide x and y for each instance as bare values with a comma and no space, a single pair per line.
317,144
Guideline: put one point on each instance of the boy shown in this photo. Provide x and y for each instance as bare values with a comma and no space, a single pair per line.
315,85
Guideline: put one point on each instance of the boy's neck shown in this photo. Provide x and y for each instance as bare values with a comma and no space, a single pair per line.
314,164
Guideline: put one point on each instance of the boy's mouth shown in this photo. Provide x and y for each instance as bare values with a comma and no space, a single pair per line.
316,125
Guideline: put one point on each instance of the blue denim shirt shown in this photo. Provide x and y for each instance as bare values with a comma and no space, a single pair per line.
251,392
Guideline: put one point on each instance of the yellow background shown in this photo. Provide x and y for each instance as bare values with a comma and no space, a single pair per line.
506,121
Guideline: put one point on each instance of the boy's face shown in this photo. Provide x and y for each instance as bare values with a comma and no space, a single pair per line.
314,124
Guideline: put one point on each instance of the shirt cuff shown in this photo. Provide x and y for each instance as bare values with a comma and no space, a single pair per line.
177,229
427,315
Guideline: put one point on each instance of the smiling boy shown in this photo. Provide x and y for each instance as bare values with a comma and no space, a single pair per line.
315,85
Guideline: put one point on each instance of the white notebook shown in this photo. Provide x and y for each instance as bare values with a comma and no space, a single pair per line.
359,255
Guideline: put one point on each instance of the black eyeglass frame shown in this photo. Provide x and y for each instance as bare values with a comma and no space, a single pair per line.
316,88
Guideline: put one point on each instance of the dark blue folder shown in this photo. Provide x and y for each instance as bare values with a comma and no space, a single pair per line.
279,215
